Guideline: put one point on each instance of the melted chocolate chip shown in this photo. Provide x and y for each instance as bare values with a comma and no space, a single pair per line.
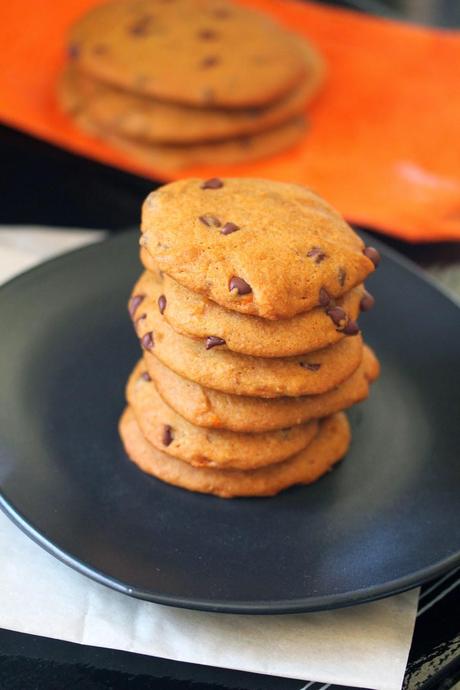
324,297
207,34
145,376
213,340
367,302
342,276
167,436
73,51
240,285
133,304
210,61
373,254
213,183
337,314
210,221
141,26
351,328
229,228
317,254
310,366
147,341
161,303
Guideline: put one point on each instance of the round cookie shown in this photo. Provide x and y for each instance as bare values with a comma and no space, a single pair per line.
197,52
176,157
329,446
138,117
192,314
291,250
211,409
169,432
230,372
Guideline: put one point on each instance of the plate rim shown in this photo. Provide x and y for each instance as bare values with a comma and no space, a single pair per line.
279,606
307,605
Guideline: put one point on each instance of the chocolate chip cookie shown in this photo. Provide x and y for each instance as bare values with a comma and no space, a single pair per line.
132,116
209,408
231,372
167,431
198,52
329,445
259,247
192,314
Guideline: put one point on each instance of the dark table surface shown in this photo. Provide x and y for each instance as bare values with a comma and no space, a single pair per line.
43,185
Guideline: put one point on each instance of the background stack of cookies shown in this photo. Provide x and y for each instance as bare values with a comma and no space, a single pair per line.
246,314
188,81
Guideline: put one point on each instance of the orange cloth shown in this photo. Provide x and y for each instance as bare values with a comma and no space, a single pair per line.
384,141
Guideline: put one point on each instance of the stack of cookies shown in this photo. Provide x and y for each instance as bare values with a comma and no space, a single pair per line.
182,82
246,314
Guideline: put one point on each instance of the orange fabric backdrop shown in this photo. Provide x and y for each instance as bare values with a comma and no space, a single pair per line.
384,140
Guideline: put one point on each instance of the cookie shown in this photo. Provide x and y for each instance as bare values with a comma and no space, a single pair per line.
197,52
132,116
231,372
212,409
328,446
177,157
169,432
192,314
289,251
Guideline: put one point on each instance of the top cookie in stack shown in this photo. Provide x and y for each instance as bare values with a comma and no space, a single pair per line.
180,82
246,315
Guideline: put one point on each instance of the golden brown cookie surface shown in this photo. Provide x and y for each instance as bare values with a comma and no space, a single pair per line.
329,446
132,116
291,251
192,314
172,434
178,156
230,372
199,52
213,409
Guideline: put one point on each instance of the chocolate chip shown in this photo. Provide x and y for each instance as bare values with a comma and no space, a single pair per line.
210,61
210,221
147,341
317,254
207,34
324,297
351,328
213,183
167,436
213,340
161,303
142,26
133,304
310,366
367,302
342,276
73,51
338,315
145,376
373,254
240,285
229,228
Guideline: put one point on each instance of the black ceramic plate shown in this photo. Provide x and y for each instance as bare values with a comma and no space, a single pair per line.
386,519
